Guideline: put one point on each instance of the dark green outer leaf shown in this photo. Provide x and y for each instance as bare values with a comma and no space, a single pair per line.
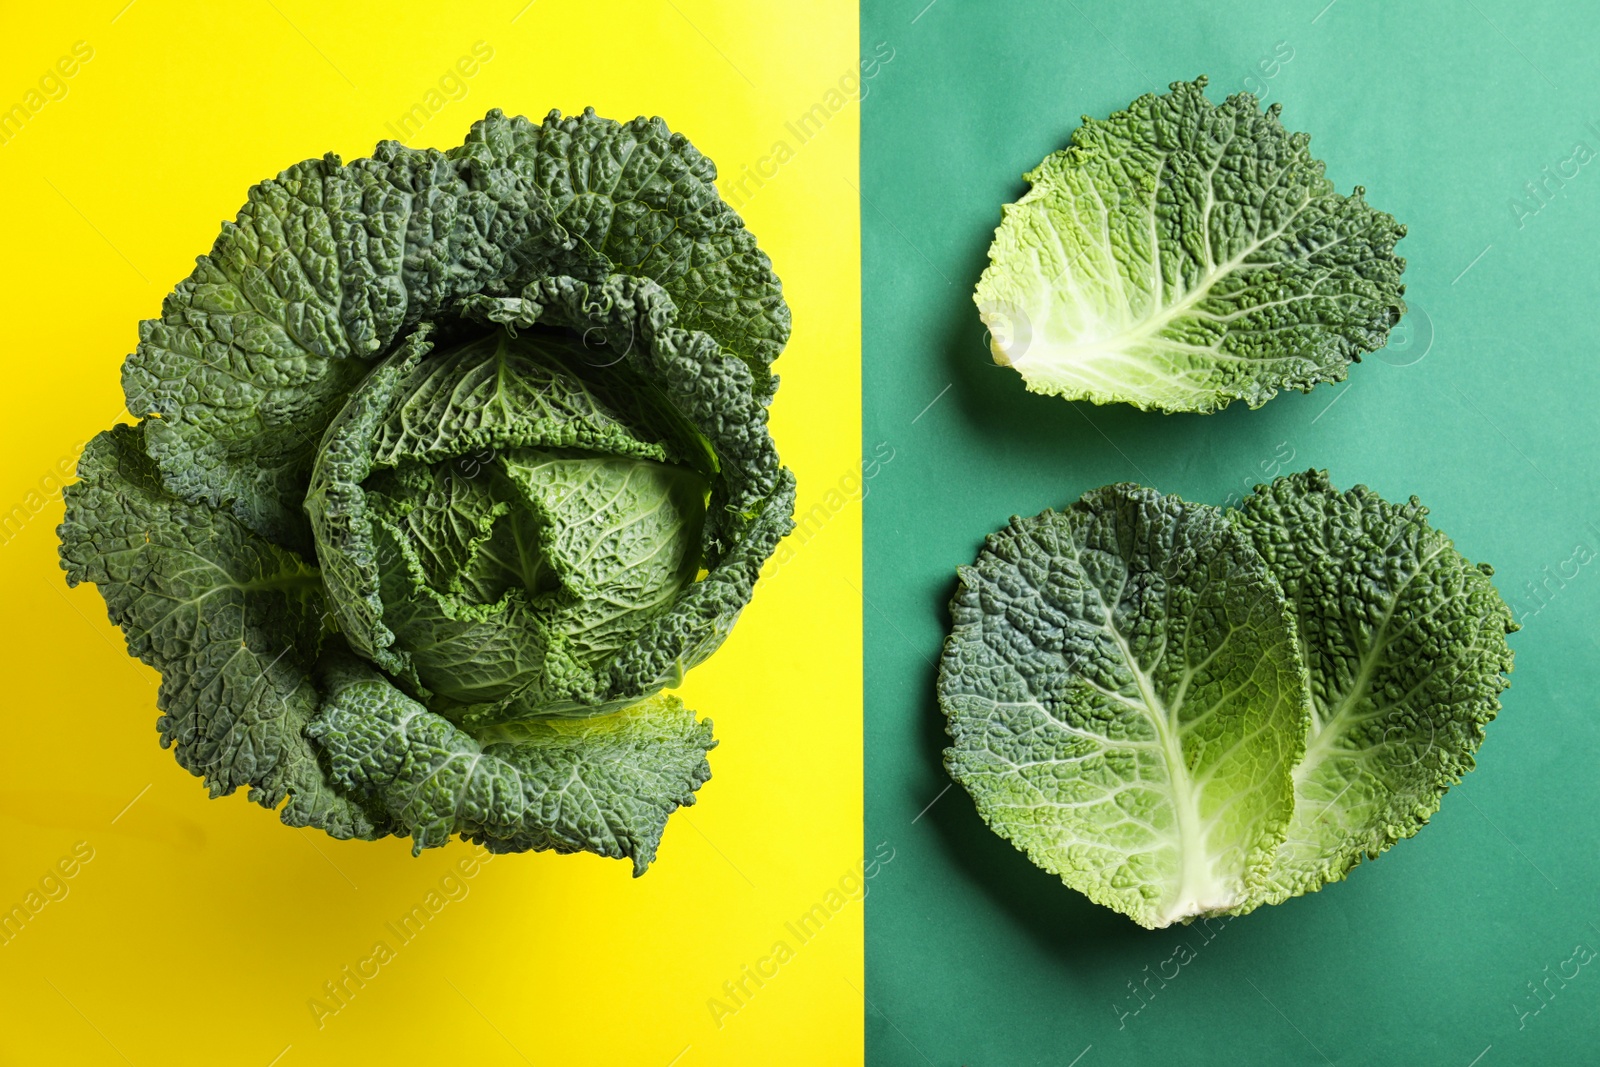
605,784
232,622
634,198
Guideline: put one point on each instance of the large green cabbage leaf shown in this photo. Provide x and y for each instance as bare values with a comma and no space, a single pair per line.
448,463
1181,255
1186,712
603,784
1405,641
1126,701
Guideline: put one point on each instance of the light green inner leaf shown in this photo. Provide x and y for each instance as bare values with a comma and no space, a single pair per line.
1181,255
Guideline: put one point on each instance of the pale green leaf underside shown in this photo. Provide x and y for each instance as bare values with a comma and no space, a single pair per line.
1182,255
1121,712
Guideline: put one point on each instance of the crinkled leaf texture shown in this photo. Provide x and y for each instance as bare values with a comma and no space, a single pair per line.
483,429
1126,701
1405,641
1182,255
1185,712
604,784
232,622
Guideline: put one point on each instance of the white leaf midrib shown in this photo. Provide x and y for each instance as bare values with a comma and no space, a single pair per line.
1197,879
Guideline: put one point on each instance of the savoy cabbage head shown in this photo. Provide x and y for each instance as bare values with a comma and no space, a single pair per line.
447,464
1184,712
1182,255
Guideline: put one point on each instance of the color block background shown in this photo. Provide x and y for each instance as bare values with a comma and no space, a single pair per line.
199,931
1451,949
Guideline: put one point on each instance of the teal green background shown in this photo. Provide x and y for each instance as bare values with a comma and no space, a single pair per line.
1484,405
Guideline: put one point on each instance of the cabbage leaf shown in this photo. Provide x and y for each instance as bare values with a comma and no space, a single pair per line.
1186,712
1405,645
1182,255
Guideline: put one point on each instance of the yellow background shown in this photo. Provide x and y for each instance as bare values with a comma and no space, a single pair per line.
200,929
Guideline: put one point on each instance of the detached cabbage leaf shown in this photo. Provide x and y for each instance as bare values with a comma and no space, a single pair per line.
1405,644
1185,712
448,463
1182,255
1127,702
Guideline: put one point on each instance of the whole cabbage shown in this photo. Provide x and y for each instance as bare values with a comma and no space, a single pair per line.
447,464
